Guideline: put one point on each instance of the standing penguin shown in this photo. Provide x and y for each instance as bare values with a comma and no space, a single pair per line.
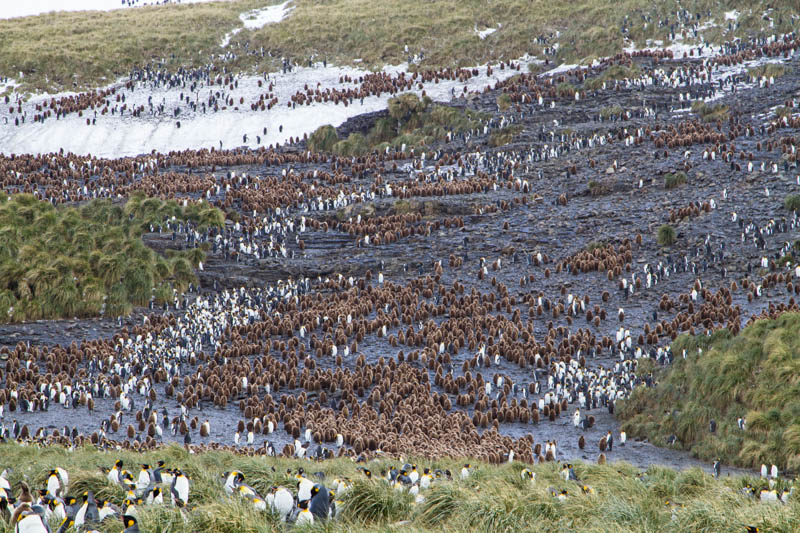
320,502
610,440
180,489
87,513
716,468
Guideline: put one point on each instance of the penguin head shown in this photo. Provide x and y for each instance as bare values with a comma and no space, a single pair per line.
161,463
303,505
128,521
118,463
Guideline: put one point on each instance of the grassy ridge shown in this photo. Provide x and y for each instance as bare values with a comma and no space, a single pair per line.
412,122
753,375
58,50
55,50
494,498
76,261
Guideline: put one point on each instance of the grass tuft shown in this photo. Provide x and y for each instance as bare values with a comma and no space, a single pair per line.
673,180
666,235
89,260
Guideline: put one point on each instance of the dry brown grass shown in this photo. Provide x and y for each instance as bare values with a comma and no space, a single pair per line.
81,49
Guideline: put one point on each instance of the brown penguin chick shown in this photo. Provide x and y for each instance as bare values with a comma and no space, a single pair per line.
25,493
21,508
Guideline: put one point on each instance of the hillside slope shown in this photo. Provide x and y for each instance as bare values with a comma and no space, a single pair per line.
755,375
64,51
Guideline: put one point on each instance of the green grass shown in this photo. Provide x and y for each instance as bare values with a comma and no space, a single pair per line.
614,72
504,102
769,70
752,375
619,497
673,180
412,121
666,235
504,136
76,261
792,202
82,49
711,113
323,139
58,50
609,111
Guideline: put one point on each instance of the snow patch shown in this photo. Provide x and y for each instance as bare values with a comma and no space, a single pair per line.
258,18
10,9
563,67
120,136
8,84
483,34
227,39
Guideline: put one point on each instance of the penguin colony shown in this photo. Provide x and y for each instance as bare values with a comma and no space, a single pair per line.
469,324
303,499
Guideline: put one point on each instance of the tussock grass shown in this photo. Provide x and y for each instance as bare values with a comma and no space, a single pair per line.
610,111
412,122
666,235
323,139
68,50
81,49
619,496
676,179
368,502
769,70
614,72
503,102
792,202
752,375
503,136
711,113
87,260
